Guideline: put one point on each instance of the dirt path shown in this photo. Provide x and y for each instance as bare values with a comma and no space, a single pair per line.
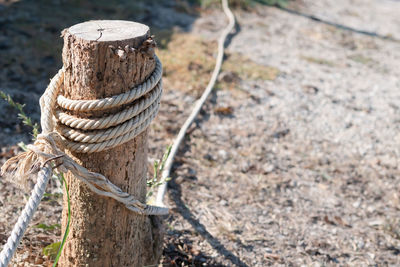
302,169
295,158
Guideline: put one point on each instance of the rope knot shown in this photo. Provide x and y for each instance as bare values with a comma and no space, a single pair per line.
44,150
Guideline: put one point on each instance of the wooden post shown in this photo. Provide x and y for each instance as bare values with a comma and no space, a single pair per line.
101,59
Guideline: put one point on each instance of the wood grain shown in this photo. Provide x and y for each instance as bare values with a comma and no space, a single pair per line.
104,58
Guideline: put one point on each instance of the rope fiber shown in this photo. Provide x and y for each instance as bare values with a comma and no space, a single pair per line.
25,217
61,131
84,135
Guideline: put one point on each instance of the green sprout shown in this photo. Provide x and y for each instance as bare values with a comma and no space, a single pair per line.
53,250
62,180
26,120
158,167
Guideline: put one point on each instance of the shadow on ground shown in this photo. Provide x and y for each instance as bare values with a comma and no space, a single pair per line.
339,25
176,196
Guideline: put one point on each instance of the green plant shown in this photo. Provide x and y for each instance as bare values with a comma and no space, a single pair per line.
51,250
278,3
361,59
320,61
241,3
156,180
54,249
64,239
47,227
21,113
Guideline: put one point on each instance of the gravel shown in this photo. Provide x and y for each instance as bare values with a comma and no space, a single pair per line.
300,170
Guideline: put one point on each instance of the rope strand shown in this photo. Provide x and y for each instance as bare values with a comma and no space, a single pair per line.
117,100
47,145
84,136
181,135
25,217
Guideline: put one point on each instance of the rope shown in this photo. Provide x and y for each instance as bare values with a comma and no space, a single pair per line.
62,131
174,149
117,100
111,120
46,147
107,134
71,135
84,135
129,123
91,135
26,216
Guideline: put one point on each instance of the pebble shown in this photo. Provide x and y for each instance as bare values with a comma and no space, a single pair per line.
267,168
223,154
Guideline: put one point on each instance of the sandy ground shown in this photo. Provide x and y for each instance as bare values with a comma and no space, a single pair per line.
298,168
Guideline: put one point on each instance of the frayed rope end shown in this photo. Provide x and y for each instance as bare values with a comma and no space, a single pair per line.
20,168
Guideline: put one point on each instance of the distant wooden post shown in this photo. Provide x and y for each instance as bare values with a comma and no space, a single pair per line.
99,63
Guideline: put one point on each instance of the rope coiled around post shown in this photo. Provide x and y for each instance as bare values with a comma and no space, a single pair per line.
128,123
62,131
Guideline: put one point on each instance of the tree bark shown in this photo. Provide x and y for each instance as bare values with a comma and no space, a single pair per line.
101,59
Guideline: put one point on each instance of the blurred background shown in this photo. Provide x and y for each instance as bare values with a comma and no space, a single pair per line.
293,161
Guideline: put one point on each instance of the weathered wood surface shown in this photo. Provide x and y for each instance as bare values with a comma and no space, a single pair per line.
100,62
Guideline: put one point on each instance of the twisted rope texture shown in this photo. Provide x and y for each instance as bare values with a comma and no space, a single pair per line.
97,134
25,217
84,136
114,101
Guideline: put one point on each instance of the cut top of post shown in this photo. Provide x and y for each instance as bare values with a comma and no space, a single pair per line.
93,63
109,30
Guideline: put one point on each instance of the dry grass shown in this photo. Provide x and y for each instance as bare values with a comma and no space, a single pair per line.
320,61
246,69
271,174
361,59
188,62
